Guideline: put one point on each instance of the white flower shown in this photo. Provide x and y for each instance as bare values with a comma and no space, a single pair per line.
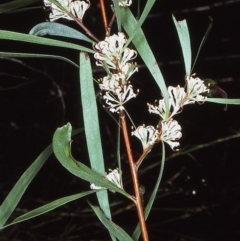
114,176
76,8
110,51
116,101
196,87
177,98
128,69
147,135
110,83
124,3
171,132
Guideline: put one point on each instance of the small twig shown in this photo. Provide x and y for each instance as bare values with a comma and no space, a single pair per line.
110,24
133,170
104,16
80,23
144,154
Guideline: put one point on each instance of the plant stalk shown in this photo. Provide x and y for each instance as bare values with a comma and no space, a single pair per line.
133,170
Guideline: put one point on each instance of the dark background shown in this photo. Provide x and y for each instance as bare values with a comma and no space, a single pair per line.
199,198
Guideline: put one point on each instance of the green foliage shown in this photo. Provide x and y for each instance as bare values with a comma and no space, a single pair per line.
15,4
8,35
57,29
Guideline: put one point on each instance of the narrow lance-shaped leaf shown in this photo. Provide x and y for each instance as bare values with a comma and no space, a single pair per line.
14,196
91,126
118,14
114,229
49,207
57,29
224,101
129,23
184,38
62,151
11,5
8,35
24,55
146,10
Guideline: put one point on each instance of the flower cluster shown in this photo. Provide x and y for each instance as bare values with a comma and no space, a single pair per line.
169,130
115,59
68,8
125,3
114,176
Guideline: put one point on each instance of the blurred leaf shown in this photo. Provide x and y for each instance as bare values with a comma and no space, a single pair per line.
118,14
113,228
8,35
14,196
49,207
129,23
58,5
224,101
91,126
6,7
183,34
146,10
57,29
137,230
24,55
203,42
62,151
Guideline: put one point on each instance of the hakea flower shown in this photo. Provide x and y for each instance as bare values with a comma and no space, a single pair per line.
76,8
171,133
125,3
177,98
110,52
114,176
196,87
115,101
147,135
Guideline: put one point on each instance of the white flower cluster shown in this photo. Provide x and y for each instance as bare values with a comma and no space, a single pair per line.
76,8
170,130
125,3
114,176
111,55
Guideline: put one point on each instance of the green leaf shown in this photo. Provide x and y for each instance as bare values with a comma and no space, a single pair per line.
11,201
143,17
137,230
224,101
6,7
183,34
20,187
62,151
129,23
91,126
49,207
8,35
203,42
113,228
118,14
24,55
57,29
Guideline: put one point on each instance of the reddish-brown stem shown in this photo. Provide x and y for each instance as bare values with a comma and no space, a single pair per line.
111,23
104,15
136,186
144,154
80,23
